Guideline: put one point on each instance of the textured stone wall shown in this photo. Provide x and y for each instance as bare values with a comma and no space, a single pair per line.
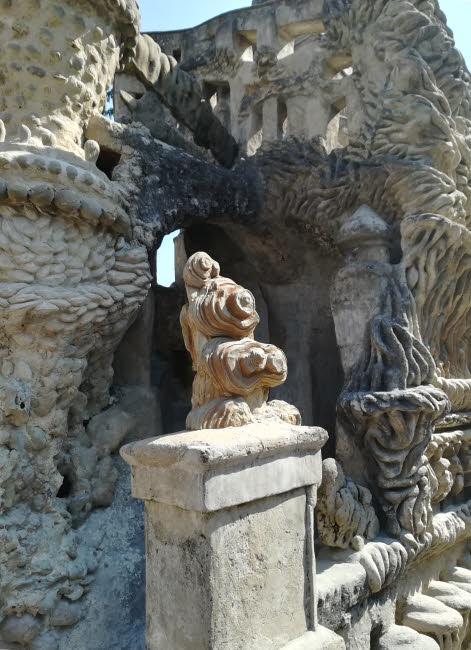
349,223
73,279
357,253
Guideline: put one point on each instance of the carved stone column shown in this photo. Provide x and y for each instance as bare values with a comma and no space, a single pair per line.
72,279
356,297
229,530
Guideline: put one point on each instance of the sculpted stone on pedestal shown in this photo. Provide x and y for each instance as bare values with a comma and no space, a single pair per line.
329,172
229,509
229,526
233,372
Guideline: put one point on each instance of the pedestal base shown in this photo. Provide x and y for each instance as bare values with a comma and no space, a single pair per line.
321,639
229,535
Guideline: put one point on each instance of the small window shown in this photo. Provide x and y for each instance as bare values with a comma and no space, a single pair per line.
256,130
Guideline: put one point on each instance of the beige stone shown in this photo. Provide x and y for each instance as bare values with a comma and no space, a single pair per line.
398,636
233,372
320,151
345,514
190,469
73,278
221,531
321,638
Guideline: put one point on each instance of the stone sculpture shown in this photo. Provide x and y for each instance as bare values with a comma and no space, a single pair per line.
181,93
345,514
221,496
337,189
394,201
233,372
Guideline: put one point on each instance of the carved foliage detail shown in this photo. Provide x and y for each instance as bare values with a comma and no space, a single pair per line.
345,515
392,406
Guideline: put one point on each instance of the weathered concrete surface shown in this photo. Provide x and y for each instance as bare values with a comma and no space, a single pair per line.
67,253
385,88
169,189
229,549
193,469
233,578
113,615
321,639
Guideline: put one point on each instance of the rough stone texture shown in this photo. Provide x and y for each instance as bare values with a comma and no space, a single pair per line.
73,279
62,57
346,216
375,212
345,514
398,636
115,605
183,96
229,551
235,560
322,638
256,67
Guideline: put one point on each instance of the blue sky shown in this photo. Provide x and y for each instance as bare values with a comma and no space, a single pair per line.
161,15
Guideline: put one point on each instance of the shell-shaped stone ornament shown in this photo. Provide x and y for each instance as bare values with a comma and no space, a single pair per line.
199,269
224,308
233,372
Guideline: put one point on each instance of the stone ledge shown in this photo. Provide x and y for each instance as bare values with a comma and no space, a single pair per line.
214,469
210,448
321,639
357,571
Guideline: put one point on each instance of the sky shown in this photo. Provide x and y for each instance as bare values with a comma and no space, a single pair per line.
162,15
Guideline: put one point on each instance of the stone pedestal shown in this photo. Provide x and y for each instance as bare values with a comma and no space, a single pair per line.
229,534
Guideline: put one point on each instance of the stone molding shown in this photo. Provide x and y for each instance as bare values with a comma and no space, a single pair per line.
213,469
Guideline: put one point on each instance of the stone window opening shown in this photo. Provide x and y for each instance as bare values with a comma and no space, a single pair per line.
336,135
165,260
65,489
108,104
282,119
256,130
219,96
107,161
246,42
